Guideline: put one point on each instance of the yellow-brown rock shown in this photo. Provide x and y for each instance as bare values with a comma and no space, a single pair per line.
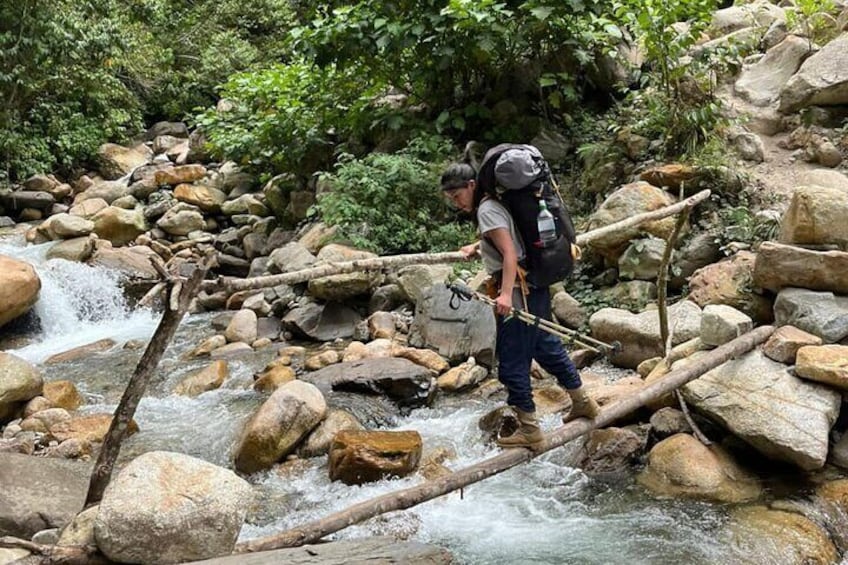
784,343
816,215
826,364
180,175
63,394
729,282
81,351
91,428
19,287
206,198
358,457
208,378
681,466
669,176
777,536
273,377
424,357
323,359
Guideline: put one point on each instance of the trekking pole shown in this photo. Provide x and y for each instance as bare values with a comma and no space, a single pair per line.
463,293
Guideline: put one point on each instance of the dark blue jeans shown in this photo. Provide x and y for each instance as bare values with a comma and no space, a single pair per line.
518,343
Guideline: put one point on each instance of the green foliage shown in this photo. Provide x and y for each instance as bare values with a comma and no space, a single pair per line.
62,96
390,203
287,118
740,225
814,19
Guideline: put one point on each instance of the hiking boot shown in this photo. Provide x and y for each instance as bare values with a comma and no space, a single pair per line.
527,435
582,405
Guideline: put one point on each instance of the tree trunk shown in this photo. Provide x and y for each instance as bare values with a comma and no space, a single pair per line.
138,383
406,498
232,285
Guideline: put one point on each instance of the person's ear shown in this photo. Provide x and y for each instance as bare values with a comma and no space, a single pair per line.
472,184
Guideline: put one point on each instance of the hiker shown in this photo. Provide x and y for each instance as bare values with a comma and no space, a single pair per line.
518,343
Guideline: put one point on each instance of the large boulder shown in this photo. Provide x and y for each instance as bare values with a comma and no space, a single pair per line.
319,441
322,322
762,82
821,81
405,382
762,402
19,287
639,334
119,226
681,466
206,198
116,161
169,508
39,493
729,282
778,266
734,18
208,378
361,456
627,201
820,313
816,215
467,331
275,430
826,178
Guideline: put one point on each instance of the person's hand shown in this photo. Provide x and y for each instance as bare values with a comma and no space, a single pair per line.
503,304
470,251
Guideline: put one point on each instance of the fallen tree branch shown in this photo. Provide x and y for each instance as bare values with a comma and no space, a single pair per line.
125,411
55,554
406,498
231,285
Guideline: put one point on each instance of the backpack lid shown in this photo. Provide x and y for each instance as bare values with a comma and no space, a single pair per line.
517,168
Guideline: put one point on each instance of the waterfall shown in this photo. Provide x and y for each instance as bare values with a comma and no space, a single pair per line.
78,304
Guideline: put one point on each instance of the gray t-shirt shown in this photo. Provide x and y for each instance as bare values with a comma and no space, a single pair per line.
491,215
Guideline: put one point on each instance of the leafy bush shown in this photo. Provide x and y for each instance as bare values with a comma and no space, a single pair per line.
390,203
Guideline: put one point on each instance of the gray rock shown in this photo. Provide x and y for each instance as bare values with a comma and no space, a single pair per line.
762,82
468,331
168,508
414,280
821,80
174,129
778,266
760,401
292,256
18,200
750,147
322,322
39,493
819,313
721,323
641,260
405,382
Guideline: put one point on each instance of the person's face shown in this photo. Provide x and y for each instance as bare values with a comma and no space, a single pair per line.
462,197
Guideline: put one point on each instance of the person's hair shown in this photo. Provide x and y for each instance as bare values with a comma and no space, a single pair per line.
457,175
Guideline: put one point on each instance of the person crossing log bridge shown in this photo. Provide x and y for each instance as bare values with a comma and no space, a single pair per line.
407,498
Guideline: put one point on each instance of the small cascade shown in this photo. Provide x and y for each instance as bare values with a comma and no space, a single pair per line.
78,304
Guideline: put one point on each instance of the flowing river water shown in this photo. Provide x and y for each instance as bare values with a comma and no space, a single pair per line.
544,511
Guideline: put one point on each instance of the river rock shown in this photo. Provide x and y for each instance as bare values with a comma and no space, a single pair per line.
462,377
358,457
119,226
468,331
132,262
66,226
292,256
820,313
414,280
639,334
325,322
204,197
39,493
425,357
80,530
401,380
21,200
669,176
19,288
627,201
681,466
381,325
283,420
181,174
169,508
697,252
720,324
19,382
778,266
734,18
777,536
275,375
762,82
91,428
107,191
568,310
826,178
341,287
115,161
821,81
641,260
78,249
816,215
81,351
174,129
208,378
610,452
668,421
245,204
784,343
375,550
319,441
826,364
729,282
760,401
88,208
182,219
242,327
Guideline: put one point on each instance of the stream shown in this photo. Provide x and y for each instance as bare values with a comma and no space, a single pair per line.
541,512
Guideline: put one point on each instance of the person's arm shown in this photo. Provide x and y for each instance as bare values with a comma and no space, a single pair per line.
471,250
501,239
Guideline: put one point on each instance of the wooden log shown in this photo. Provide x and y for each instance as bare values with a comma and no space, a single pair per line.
55,554
406,498
138,382
232,285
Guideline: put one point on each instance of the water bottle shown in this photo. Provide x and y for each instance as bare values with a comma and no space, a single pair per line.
547,226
